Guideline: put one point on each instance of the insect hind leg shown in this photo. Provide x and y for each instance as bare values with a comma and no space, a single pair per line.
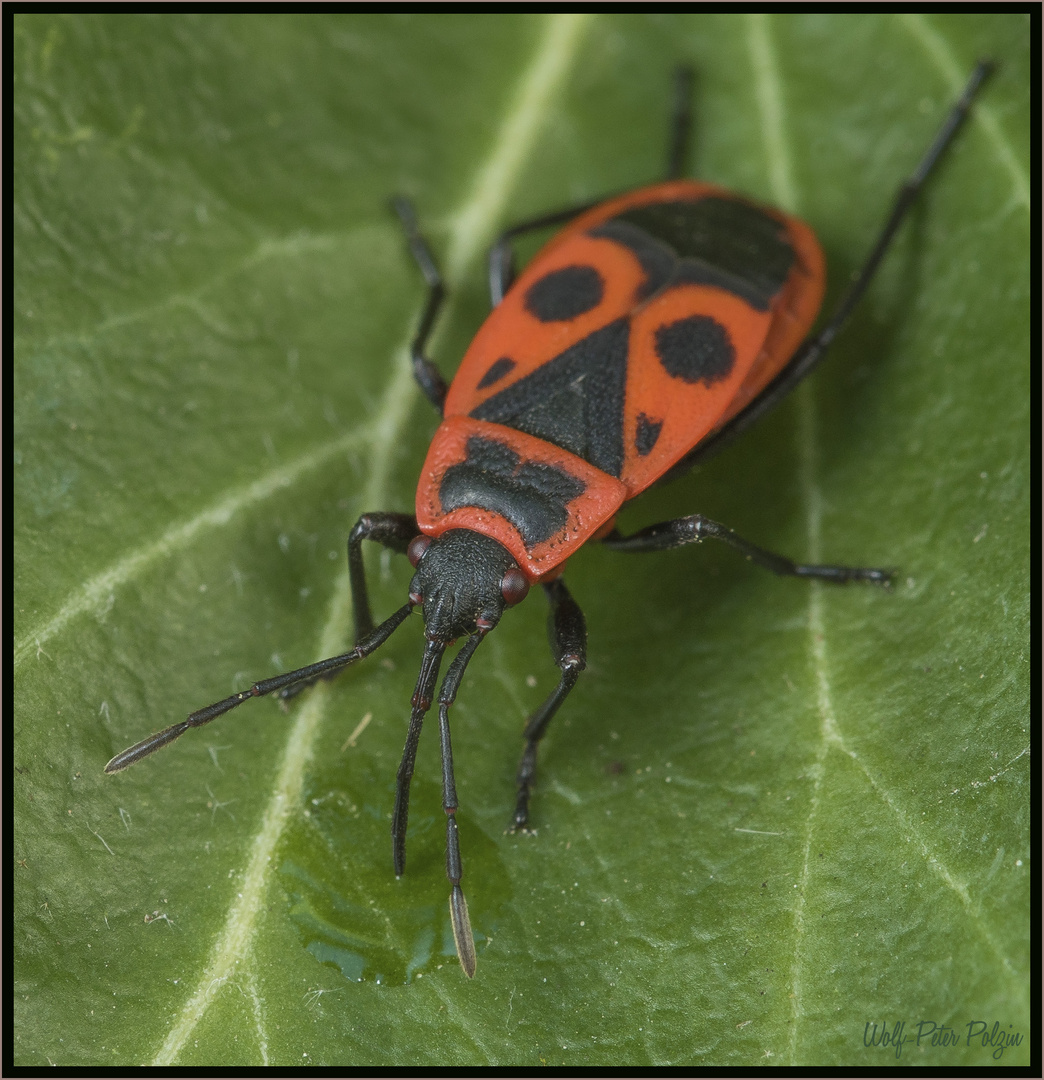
814,348
428,376
501,254
681,122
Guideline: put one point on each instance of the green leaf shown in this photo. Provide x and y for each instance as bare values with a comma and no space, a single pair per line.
770,813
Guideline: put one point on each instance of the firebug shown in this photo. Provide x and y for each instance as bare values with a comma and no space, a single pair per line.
653,328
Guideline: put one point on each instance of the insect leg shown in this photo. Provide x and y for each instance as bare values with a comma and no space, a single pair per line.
681,123
812,350
454,869
693,529
428,377
266,686
501,257
567,633
391,530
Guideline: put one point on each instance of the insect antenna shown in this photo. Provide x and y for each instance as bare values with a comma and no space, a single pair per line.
421,701
369,644
462,935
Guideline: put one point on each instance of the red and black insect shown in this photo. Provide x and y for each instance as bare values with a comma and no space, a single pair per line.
653,328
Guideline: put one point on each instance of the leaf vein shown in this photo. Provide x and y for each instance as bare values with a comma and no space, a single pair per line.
472,224
290,246
93,597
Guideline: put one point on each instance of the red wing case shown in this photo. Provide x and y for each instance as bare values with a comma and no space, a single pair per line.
643,326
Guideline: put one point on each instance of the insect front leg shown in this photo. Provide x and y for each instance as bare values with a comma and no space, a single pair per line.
567,633
696,527
394,531
390,530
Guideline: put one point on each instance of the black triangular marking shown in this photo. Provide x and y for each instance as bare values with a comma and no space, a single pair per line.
575,401
497,370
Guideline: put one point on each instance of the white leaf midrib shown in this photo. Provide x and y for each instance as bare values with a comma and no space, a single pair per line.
473,224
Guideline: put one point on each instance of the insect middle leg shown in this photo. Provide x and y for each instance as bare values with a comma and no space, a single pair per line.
390,530
428,376
696,527
567,633
502,257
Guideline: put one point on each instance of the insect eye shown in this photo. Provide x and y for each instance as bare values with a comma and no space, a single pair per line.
514,586
418,545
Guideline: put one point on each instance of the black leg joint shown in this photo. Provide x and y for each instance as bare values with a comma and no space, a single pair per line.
696,527
428,376
394,531
566,628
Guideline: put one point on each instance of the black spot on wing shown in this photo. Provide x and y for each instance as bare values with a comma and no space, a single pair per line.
647,434
695,349
713,241
497,370
575,400
531,495
564,294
